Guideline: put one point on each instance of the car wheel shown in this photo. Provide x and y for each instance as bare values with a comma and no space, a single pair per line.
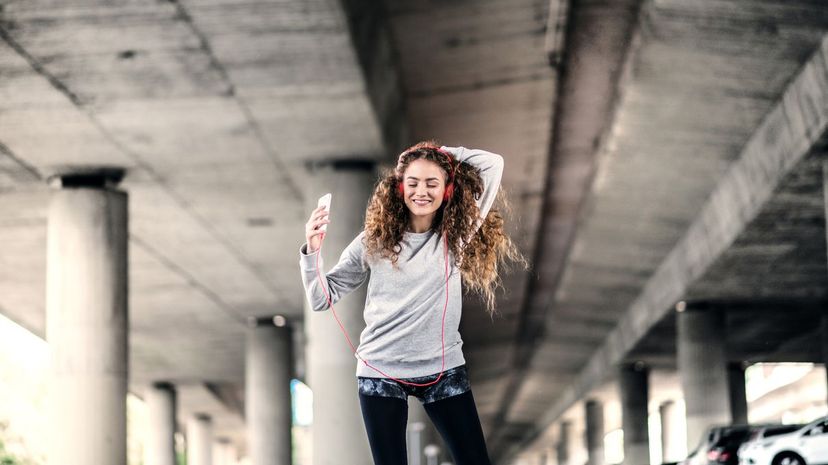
788,459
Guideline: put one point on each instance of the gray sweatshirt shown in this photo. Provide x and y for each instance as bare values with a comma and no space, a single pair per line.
404,306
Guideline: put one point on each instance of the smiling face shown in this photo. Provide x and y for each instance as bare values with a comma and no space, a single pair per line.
424,183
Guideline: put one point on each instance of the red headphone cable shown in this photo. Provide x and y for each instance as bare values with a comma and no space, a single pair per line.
443,336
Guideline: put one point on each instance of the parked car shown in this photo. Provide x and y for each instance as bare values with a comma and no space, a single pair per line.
755,445
712,439
805,446
725,450
721,444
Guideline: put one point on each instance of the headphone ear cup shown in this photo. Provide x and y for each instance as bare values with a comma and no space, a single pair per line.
449,192
400,188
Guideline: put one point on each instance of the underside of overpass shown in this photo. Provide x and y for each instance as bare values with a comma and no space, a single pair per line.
659,155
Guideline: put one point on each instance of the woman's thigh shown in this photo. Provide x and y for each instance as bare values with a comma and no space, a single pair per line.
385,421
458,423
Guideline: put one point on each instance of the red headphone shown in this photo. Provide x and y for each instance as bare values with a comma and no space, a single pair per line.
449,187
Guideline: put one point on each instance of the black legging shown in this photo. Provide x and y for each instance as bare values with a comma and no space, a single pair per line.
454,417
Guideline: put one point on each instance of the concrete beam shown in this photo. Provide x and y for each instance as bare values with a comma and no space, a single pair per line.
572,45
374,48
787,135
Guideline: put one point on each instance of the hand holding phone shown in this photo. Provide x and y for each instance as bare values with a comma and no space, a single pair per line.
317,225
325,201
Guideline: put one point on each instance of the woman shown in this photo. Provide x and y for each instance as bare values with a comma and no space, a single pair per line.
429,222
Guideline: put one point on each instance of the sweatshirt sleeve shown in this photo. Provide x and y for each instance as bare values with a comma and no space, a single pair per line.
348,274
491,172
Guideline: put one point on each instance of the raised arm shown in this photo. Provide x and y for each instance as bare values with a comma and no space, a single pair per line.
491,171
348,274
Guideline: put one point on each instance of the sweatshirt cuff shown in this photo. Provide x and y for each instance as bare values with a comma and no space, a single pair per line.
308,260
458,152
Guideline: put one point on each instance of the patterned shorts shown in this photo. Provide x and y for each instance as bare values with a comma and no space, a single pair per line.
455,381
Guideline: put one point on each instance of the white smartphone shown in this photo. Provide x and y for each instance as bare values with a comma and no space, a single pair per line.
326,201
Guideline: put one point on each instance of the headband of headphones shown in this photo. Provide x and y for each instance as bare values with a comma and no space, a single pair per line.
447,154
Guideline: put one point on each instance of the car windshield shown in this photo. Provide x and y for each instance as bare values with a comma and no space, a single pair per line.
733,438
776,431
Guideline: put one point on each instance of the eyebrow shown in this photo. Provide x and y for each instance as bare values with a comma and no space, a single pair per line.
417,179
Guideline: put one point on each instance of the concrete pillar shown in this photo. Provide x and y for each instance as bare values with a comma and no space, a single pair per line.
824,333
703,371
161,405
415,443
200,440
267,391
87,318
563,451
634,384
824,317
432,453
298,334
422,431
594,435
224,453
738,396
668,413
338,431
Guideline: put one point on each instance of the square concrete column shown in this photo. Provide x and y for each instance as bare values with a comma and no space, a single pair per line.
432,453
267,391
634,387
668,413
224,453
415,442
824,336
738,395
562,449
594,434
161,404
338,431
824,317
200,440
703,370
87,318
421,431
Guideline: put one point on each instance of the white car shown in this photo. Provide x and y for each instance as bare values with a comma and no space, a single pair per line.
754,446
806,446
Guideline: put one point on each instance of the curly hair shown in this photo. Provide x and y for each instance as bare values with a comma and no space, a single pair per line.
387,218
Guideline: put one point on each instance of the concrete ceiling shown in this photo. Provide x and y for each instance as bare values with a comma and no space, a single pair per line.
617,119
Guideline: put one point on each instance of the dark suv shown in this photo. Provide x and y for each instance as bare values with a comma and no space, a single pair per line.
725,450
719,445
